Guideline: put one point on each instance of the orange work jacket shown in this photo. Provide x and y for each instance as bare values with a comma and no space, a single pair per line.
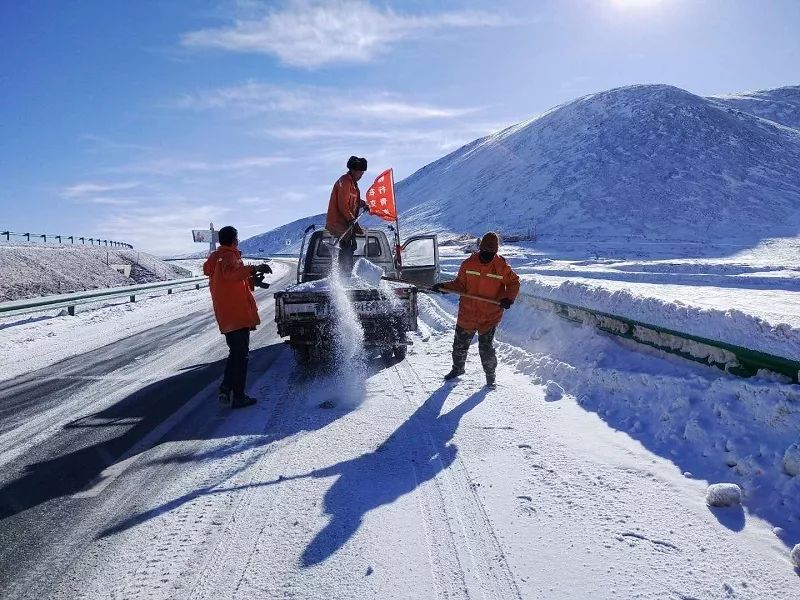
231,290
343,206
494,280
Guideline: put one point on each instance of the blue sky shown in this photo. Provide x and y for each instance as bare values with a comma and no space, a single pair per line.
140,120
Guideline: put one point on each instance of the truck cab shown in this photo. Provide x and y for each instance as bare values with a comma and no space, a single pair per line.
304,313
419,255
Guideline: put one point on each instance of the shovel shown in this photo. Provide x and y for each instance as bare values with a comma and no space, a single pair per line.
336,244
373,274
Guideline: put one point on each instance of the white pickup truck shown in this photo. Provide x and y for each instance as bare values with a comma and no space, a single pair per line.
303,312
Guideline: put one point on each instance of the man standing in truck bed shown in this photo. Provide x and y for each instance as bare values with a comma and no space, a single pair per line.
488,275
343,210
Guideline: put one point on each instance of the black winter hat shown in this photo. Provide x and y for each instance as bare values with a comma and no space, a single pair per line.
355,163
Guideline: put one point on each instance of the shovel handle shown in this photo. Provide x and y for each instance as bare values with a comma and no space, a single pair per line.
461,294
471,296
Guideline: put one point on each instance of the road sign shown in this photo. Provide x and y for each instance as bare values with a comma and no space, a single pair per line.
205,236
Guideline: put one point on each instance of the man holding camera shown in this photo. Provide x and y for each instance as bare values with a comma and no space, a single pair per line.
232,283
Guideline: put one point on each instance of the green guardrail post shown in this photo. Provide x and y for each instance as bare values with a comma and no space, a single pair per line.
133,297
71,310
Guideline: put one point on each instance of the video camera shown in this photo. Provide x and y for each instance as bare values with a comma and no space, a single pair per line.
258,276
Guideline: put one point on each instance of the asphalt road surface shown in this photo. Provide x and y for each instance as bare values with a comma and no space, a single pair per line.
63,426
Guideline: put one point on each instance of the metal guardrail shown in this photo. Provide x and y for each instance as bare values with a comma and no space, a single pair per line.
70,301
60,238
733,359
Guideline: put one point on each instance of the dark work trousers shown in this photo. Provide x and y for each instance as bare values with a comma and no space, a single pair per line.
346,251
236,366
463,339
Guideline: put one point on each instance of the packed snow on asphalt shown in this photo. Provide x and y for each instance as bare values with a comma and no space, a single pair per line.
585,474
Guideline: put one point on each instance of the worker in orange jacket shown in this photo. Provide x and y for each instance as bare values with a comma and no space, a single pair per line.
488,275
232,283
343,208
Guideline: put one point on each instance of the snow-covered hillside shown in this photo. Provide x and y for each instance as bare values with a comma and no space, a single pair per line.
648,162
285,239
652,162
781,105
31,270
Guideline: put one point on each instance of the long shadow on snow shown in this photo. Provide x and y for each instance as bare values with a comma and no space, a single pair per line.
278,428
119,427
416,452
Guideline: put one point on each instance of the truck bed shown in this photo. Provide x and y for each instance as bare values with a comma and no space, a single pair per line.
303,310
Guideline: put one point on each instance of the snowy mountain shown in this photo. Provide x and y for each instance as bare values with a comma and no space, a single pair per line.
284,239
781,105
650,162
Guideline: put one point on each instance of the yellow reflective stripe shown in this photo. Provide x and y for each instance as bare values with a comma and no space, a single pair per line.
492,275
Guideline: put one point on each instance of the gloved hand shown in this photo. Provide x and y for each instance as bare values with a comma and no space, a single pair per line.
258,280
437,287
364,205
506,303
263,268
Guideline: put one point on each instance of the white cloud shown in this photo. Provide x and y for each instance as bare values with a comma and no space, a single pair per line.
80,190
256,98
252,98
403,111
171,165
110,201
161,229
314,33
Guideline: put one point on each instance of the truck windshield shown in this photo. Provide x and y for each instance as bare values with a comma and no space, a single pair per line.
373,247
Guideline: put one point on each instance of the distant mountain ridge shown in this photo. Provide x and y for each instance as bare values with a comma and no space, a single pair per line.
781,105
650,162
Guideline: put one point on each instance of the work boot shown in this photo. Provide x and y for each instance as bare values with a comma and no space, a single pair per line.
242,401
454,372
225,396
490,382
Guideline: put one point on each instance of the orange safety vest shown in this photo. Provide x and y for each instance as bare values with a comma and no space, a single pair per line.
494,280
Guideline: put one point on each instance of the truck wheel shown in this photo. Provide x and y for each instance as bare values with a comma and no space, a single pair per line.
400,352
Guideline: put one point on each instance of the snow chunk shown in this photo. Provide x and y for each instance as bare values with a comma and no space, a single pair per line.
554,391
796,556
791,459
368,272
724,494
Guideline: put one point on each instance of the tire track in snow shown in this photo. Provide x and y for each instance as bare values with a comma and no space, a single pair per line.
240,537
473,534
166,548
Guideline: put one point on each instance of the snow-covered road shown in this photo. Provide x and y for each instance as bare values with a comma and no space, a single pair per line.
136,485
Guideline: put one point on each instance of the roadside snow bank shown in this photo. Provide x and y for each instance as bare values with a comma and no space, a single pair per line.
32,270
730,326
713,425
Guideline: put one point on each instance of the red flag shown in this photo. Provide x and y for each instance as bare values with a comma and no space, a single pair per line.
380,197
